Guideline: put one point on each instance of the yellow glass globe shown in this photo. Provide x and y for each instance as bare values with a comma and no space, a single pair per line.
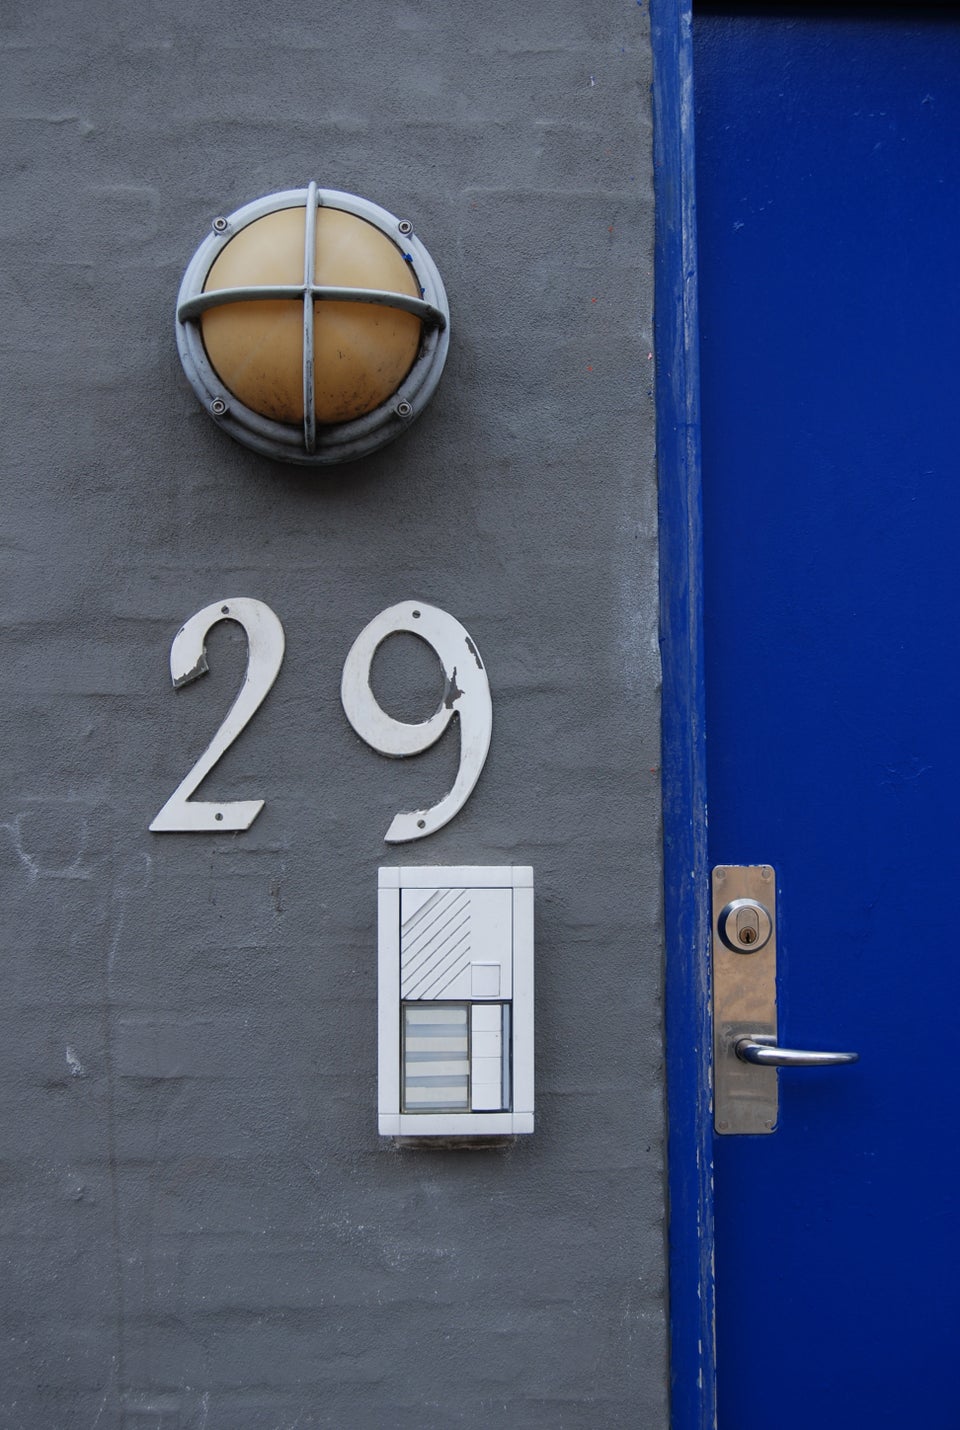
362,351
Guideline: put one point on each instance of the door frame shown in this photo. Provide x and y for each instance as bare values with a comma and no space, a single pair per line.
686,871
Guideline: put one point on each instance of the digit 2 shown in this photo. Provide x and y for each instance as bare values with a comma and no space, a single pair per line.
188,661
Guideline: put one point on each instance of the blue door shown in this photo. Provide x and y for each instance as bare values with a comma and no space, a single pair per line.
828,193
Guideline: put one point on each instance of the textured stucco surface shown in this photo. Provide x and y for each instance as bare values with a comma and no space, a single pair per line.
201,1227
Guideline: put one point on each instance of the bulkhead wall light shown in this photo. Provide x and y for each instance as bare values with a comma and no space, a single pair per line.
313,325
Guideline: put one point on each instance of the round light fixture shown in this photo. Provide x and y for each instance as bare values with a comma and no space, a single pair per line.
313,325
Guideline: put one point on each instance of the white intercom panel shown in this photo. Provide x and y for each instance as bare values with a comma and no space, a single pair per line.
455,1001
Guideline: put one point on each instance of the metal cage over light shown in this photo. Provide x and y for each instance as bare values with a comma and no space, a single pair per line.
313,325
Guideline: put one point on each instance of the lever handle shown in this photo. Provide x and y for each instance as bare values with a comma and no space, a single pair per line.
751,1050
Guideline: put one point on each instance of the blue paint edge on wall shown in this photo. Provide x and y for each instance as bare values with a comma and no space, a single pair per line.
686,872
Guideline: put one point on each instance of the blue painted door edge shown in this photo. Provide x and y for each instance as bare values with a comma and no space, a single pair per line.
686,882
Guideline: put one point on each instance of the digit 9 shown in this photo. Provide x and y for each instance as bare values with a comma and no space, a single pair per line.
466,695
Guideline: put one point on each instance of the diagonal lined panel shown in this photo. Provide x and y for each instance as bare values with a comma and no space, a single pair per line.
420,934
432,939
456,941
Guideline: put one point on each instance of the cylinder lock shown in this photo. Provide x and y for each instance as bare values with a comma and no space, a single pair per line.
744,925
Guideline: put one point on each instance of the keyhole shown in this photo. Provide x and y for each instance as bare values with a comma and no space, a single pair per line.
748,927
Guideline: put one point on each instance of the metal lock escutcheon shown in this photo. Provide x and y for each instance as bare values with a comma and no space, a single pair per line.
746,1051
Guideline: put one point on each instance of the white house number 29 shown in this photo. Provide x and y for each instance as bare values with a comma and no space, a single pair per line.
466,694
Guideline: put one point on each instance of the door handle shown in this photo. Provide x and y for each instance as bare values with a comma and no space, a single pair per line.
769,1054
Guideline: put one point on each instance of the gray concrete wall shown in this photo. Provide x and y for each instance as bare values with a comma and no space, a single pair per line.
201,1227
